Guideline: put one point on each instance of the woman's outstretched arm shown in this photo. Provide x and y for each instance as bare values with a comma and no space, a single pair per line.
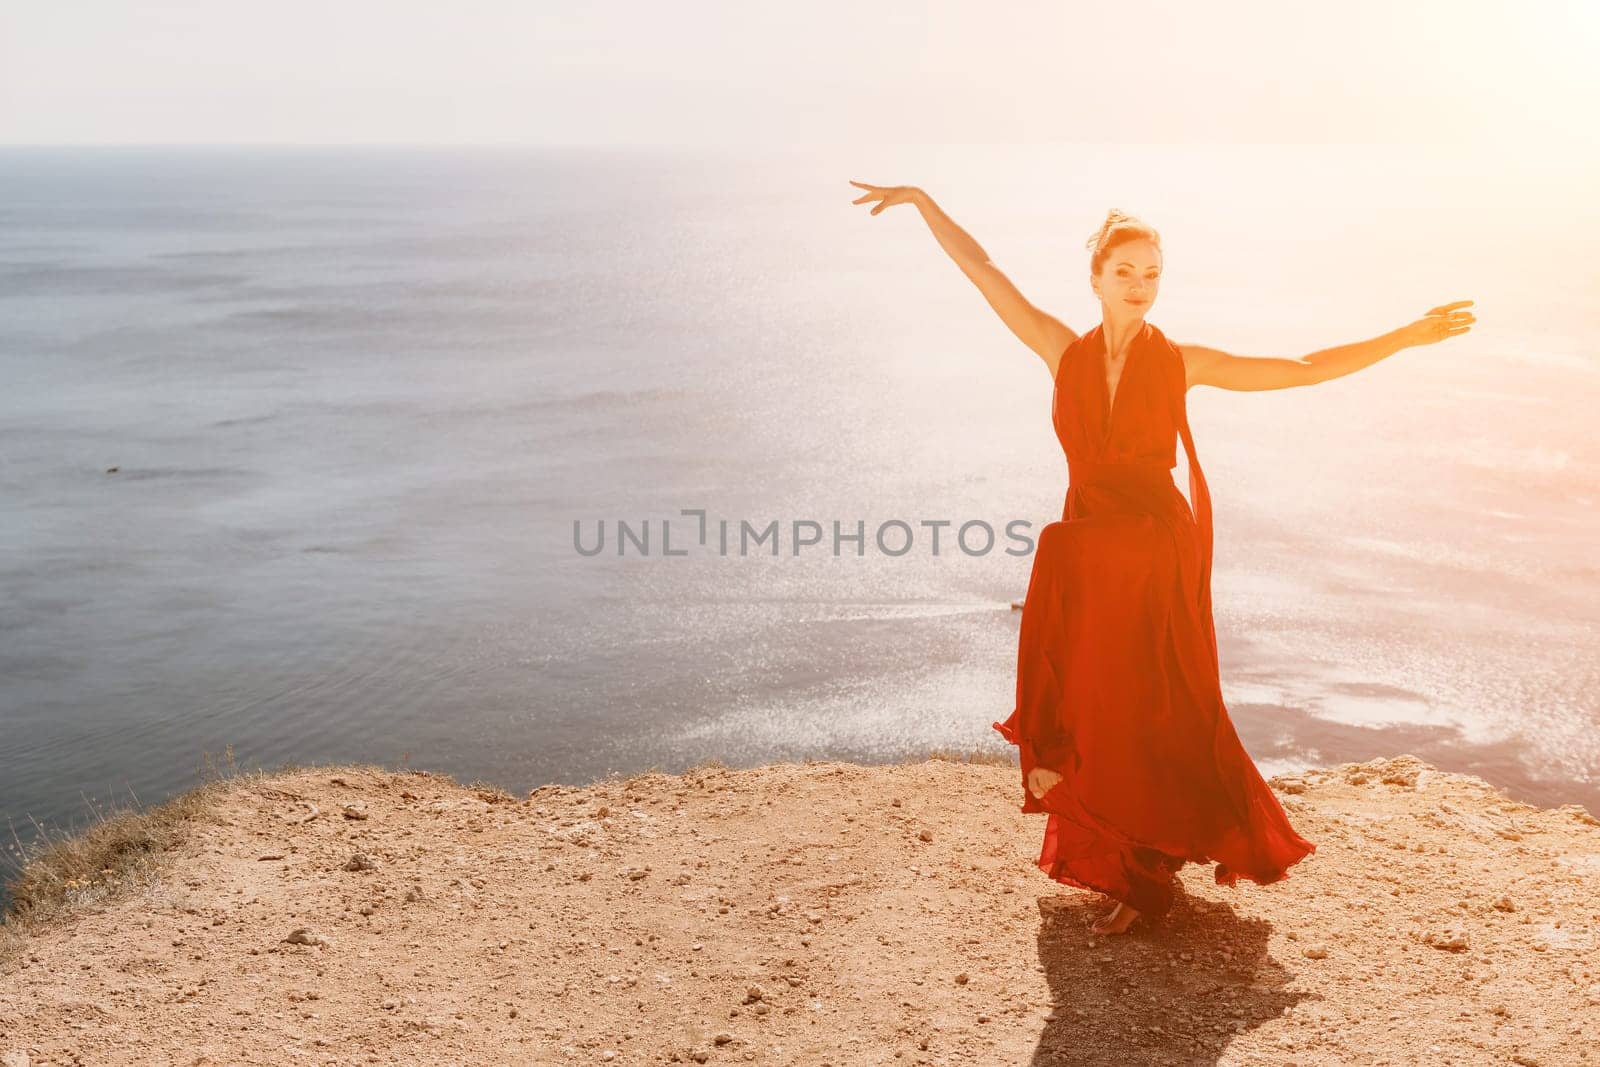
1042,332
1211,366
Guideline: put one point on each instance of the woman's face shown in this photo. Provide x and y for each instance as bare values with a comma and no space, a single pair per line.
1128,282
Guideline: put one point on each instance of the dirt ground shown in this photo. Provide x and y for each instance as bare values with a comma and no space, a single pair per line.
814,913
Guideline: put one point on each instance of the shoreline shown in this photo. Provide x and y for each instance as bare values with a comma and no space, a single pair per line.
801,913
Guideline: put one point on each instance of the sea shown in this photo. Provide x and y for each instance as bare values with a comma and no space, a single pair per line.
533,465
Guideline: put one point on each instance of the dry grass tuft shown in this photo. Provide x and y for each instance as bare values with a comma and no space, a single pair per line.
121,852
490,793
126,851
980,756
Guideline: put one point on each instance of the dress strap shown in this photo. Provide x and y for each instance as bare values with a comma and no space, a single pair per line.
1199,496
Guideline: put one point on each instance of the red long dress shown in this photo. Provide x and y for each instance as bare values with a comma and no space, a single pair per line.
1117,675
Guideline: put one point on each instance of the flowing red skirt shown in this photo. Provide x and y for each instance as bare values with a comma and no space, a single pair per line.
1117,690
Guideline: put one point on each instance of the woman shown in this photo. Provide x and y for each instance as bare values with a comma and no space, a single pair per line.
1123,737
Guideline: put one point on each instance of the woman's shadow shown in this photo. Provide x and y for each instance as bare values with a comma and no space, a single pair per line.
1175,991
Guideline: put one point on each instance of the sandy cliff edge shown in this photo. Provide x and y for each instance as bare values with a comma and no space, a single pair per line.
810,913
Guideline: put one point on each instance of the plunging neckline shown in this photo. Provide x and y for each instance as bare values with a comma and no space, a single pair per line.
1106,391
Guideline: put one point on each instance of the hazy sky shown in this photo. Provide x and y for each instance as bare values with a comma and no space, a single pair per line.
823,71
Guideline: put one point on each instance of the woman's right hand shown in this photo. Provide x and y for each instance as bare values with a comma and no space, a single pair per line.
1041,780
887,195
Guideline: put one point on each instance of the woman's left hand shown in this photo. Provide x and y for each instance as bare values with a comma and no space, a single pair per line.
1041,780
1446,320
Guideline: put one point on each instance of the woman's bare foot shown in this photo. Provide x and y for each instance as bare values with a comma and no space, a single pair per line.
1115,921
